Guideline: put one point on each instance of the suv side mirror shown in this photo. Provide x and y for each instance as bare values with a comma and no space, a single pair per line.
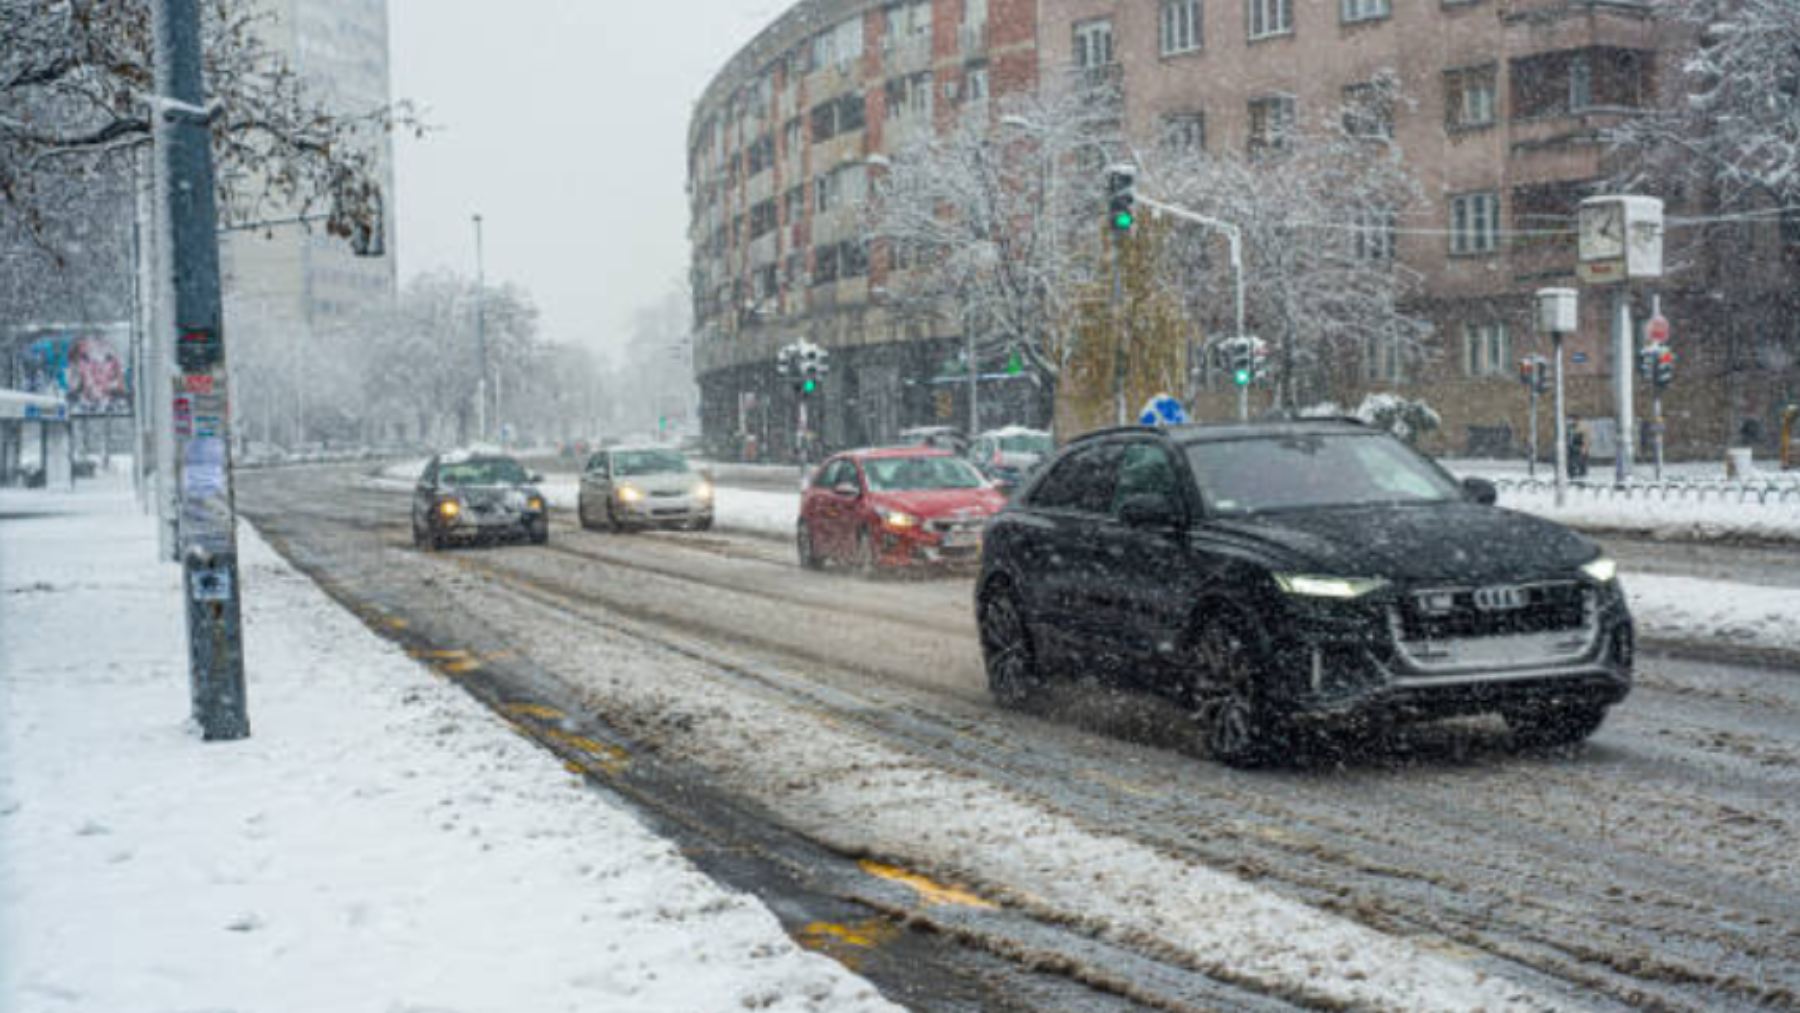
1479,490
535,478
848,490
1150,510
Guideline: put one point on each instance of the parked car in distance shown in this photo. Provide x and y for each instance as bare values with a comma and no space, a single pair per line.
942,437
468,495
1008,456
1274,573
630,487
894,507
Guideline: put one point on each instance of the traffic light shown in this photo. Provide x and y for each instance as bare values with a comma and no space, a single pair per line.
1664,367
1121,197
1534,373
1240,358
1647,362
808,385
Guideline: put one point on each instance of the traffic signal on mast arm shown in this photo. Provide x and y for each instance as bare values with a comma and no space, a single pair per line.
1121,197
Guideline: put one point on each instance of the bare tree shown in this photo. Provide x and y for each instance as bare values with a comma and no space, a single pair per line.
1731,119
1319,211
992,223
77,98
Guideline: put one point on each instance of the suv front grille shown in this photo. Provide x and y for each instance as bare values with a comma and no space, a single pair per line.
1502,610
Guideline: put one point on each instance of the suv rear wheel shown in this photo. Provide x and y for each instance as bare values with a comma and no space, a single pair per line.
1014,678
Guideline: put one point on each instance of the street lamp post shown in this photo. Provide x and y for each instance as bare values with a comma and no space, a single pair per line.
1234,236
480,339
1557,315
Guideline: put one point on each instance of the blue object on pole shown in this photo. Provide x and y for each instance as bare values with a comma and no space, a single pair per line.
1162,410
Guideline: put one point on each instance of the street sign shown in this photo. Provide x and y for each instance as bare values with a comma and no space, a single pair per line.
1656,331
1162,410
1578,357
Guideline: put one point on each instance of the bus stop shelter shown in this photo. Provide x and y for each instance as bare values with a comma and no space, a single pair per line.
36,445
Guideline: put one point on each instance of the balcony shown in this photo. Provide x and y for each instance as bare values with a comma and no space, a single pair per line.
972,38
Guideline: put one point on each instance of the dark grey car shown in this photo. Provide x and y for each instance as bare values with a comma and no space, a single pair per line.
465,496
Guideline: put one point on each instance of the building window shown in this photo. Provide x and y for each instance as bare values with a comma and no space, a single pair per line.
853,258
1469,97
1375,233
825,265
1381,358
824,121
1368,111
909,20
1271,122
1487,349
1575,80
1475,223
1184,133
762,153
1094,44
795,200
791,137
825,192
762,219
1362,10
851,112
1180,26
1581,82
1271,17
975,83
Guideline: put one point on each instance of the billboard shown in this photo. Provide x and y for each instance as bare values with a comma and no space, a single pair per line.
84,365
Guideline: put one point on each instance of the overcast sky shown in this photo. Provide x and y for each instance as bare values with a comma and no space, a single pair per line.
564,123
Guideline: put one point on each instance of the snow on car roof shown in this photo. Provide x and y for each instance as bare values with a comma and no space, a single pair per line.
1005,431
463,455
910,451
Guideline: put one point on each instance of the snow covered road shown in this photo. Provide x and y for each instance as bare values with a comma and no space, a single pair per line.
1656,866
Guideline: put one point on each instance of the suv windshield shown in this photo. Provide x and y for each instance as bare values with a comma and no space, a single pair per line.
899,474
648,462
1313,470
482,471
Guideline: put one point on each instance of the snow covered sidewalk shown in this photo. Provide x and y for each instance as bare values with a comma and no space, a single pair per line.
382,842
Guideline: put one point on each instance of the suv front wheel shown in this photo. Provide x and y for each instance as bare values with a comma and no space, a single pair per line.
1231,705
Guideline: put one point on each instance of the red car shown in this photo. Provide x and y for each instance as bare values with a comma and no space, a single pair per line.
895,508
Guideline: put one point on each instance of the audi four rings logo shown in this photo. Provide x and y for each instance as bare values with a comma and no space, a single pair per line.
1499,599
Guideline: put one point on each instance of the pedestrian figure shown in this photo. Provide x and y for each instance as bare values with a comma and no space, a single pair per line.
1578,450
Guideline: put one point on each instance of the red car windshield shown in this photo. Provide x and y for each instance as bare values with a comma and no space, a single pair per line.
903,474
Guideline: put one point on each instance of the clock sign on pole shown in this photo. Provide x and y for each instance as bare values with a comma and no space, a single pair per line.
1619,241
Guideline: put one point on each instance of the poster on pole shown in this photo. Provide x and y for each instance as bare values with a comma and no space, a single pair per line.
85,365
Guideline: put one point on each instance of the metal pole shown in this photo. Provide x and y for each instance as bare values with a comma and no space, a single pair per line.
202,423
1531,464
974,384
480,339
1120,358
1656,414
1622,390
1562,421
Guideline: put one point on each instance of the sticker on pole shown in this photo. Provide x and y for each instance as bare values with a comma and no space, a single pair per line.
1656,331
1162,410
212,584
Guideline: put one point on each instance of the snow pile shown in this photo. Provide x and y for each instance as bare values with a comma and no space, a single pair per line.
1714,612
1669,519
381,843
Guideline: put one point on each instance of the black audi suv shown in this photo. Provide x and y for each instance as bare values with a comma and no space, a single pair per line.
1275,574
468,496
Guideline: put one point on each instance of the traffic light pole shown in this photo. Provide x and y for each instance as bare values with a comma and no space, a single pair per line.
1531,464
1562,419
1622,384
1656,415
200,415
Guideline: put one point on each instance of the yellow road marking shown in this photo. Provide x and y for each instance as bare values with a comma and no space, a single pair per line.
929,891
397,623
535,710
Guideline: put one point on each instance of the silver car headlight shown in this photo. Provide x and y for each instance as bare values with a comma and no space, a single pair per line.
1311,586
630,494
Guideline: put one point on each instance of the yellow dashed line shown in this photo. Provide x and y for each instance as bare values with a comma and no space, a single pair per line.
929,891
846,944
398,623
535,710
610,759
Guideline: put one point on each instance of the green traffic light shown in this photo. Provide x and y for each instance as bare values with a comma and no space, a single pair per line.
1242,377
1123,221
810,386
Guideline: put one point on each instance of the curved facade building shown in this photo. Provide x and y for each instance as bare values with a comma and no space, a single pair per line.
781,148
1506,106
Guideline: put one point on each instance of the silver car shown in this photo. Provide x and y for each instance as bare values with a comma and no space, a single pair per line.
637,487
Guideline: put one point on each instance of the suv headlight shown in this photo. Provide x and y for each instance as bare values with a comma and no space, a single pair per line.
1310,586
1602,569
